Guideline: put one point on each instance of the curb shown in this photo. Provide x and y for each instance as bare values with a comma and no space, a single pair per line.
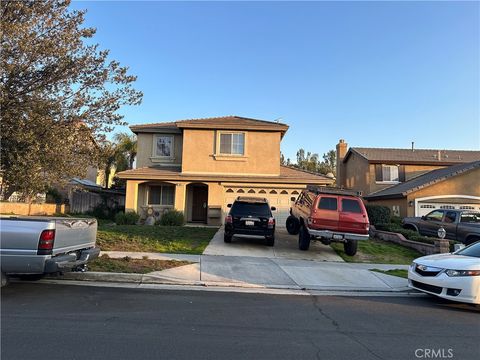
140,279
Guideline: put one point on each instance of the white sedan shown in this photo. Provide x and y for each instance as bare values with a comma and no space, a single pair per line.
454,276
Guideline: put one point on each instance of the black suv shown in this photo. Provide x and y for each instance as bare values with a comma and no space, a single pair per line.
250,216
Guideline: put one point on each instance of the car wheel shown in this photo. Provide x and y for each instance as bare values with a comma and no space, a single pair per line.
350,247
227,238
292,225
270,240
303,239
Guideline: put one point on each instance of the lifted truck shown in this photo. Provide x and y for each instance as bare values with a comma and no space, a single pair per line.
329,215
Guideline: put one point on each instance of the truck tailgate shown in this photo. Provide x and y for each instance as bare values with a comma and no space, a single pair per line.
74,234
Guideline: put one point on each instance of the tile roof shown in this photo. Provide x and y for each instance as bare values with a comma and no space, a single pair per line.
430,178
287,175
223,122
416,156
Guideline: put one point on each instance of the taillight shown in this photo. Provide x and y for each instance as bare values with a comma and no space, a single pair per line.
271,222
228,219
45,244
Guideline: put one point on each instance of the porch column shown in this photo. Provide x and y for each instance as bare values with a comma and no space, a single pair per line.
131,196
180,193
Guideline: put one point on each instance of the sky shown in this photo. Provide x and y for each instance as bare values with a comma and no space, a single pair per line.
377,74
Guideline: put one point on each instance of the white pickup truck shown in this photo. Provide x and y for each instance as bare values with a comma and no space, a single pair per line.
34,246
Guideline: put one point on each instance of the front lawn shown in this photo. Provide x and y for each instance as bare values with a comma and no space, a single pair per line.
128,265
165,239
378,252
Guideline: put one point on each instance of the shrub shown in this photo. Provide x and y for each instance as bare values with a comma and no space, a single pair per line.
408,234
53,196
172,218
378,214
129,218
397,220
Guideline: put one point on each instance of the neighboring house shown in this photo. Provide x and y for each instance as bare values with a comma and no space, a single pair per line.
199,166
411,182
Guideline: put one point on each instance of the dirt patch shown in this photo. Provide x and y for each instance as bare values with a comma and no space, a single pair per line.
128,265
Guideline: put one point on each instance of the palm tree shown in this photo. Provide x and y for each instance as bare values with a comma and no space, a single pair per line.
127,145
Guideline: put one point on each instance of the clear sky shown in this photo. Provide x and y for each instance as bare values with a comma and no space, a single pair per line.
378,74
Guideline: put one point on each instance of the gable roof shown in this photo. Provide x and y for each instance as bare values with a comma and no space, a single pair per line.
422,181
230,122
416,156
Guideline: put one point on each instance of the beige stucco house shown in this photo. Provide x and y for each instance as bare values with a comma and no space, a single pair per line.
411,182
199,166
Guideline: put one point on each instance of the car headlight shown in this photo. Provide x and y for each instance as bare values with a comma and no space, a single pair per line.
462,272
412,266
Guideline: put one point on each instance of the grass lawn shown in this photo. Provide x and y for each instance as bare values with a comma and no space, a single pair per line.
395,272
166,239
378,252
128,265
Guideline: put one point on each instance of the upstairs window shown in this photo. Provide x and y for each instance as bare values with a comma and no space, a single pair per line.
389,173
163,146
232,143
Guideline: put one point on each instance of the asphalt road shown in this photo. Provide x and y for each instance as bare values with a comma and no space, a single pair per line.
45,321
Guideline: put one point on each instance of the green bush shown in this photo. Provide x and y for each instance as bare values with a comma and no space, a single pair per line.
396,220
172,218
129,218
408,234
378,214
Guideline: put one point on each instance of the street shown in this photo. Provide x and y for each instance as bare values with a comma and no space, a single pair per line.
45,321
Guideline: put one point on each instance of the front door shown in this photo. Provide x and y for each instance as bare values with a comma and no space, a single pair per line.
199,203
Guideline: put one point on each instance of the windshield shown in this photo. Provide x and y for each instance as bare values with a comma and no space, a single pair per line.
255,209
472,250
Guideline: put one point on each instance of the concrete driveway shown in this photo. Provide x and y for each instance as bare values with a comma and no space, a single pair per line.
286,247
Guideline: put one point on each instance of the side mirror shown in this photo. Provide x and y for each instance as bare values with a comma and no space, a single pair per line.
423,217
273,208
293,198
229,205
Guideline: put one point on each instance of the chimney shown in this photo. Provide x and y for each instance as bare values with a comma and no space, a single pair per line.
439,155
342,148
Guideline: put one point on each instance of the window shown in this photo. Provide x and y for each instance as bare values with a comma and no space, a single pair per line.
328,203
352,206
232,143
447,207
427,206
450,217
251,191
396,210
389,173
161,195
467,207
436,215
284,192
470,217
163,146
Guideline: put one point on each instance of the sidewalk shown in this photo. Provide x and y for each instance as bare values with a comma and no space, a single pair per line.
258,272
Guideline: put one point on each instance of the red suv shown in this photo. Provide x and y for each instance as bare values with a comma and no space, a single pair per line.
330,215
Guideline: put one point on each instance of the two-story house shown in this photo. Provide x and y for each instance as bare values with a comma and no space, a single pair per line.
412,182
199,166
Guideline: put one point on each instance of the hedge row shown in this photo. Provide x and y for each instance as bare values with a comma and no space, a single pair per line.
378,214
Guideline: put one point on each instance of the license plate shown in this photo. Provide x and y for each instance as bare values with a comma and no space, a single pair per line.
249,223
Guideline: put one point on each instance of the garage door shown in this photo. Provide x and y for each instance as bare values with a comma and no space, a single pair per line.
277,197
423,208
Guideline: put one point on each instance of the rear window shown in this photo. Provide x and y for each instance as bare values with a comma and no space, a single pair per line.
470,217
328,203
352,206
240,208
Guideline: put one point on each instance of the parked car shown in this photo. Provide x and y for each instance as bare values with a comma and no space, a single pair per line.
454,276
330,215
34,246
460,225
250,216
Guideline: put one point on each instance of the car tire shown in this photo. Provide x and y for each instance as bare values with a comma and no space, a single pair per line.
350,247
303,238
270,240
227,238
292,225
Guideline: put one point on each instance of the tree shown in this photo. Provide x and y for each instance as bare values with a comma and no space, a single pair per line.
127,146
58,95
311,162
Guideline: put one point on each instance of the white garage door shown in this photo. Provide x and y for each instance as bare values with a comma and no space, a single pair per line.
423,208
278,197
